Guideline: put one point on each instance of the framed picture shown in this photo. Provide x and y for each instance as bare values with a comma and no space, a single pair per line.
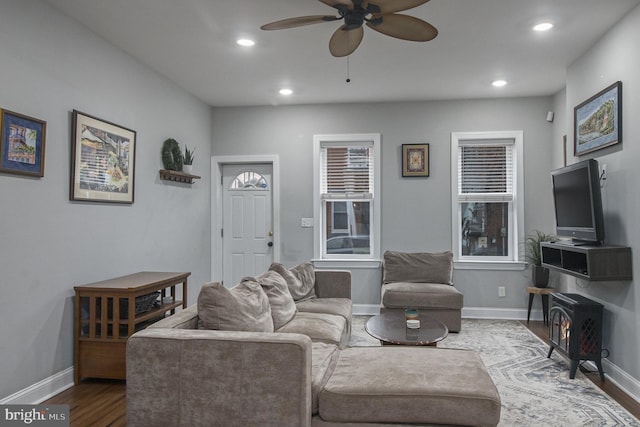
22,144
598,121
415,159
102,160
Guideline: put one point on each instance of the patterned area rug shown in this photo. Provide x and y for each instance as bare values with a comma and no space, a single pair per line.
535,391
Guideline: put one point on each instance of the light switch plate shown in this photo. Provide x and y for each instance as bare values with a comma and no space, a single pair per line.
306,222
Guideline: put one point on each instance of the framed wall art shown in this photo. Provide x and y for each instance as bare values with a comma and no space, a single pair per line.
598,121
22,144
102,160
415,159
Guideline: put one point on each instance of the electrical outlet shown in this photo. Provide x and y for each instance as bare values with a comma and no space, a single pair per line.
502,291
306,222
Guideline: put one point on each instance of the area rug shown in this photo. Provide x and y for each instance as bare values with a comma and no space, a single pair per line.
535,390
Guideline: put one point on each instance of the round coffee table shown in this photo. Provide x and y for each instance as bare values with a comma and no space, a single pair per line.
391,328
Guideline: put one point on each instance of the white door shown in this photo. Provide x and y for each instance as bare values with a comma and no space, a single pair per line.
247,224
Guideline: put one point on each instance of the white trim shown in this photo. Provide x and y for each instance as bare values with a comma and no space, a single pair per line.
518,204
366,309
42,390
490,265
346,263
620,378
216,204
373,138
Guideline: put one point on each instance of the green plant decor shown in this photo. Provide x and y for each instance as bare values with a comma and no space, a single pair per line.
532,246
188,156
171,155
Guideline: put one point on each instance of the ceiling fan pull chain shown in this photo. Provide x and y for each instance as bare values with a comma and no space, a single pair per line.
348,73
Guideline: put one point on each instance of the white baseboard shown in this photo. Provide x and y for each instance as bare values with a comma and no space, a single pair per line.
42,390
366,309
467,312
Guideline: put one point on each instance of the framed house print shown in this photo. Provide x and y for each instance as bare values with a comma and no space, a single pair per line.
22,144
102,160
598,120
415,159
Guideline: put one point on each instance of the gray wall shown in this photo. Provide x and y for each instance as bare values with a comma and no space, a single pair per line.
416,212
615,57
50,66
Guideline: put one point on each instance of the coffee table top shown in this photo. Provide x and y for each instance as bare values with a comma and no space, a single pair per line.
391,327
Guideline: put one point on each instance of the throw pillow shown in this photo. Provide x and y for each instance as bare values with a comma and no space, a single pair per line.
301,279
283,308
418,267
245,307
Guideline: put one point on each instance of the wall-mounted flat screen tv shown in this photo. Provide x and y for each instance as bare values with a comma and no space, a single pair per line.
578,202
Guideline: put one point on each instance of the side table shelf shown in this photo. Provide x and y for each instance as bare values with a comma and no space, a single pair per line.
177,176
106,313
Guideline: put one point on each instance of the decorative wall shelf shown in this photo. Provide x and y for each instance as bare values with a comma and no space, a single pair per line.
593,263
177,176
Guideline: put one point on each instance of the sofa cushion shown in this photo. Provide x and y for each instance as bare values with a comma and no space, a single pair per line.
300,279
320,327
245,307
418,267
283,308
421,295
340,306
323,359
398,384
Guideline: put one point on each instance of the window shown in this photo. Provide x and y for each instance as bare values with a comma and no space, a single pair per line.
346,210
487,197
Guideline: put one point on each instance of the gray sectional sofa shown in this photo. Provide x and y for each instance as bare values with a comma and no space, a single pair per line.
300,373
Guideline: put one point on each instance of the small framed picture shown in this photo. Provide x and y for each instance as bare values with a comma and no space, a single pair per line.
598,120
22,144
102,160
415,159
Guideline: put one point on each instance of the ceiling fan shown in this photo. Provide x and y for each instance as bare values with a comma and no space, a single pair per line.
379,15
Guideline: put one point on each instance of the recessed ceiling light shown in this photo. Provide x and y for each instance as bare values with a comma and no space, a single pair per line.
286,92
543,26
245,42
499,83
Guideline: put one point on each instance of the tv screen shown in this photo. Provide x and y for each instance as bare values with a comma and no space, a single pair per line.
578,203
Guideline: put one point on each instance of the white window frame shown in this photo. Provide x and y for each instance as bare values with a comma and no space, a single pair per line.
516,224
364,261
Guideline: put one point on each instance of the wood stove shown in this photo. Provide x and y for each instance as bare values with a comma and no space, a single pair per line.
575,329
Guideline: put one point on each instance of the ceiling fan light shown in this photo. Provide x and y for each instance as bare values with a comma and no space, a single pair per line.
245,42
499,83
285,92
543,26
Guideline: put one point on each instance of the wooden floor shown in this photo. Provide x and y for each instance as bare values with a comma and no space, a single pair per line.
99,403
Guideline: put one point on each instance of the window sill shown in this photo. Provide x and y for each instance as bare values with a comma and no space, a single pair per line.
490,265
344,263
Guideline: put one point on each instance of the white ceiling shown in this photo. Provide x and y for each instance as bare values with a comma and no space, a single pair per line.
192,42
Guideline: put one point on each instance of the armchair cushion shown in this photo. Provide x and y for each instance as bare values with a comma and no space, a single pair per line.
418,267
245,307
300,279
421,295
283,308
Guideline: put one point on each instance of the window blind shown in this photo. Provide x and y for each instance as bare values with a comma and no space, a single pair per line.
346,172
485,172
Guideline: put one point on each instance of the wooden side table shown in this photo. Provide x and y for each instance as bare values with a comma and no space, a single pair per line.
544,294
105,315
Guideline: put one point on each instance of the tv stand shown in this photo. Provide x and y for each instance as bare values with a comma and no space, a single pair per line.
589,262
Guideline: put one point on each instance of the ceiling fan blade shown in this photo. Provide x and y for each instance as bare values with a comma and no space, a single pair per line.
403,27
343,42
299,22
339,3
392,6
